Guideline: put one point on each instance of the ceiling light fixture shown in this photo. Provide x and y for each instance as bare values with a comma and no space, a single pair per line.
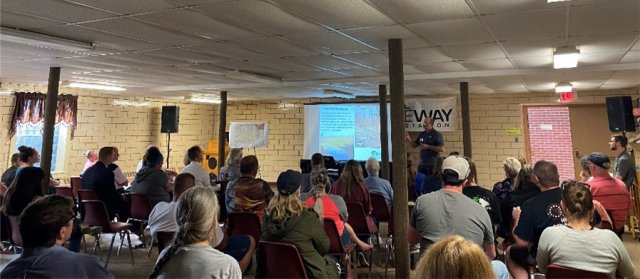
564,87
338,93
248,76
204,100
18,36
551,1
565,57
96,86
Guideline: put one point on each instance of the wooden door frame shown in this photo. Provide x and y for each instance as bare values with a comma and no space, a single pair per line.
524,116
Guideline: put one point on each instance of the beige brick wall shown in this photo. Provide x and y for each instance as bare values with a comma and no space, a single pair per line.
130,128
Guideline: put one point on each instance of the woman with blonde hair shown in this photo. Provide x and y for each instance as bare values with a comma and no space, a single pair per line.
231,170
191,255
512,167
286,219
454,257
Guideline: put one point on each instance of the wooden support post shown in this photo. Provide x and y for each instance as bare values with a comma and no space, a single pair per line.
466,119
400,190
222,128
384,132
50,108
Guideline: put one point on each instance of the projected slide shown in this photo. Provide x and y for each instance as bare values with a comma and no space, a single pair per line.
344,131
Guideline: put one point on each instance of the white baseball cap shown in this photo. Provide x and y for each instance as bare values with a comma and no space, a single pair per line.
458,164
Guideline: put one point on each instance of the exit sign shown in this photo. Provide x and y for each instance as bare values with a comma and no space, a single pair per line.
567,97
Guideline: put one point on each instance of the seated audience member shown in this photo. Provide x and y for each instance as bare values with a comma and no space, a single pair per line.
151,180
350,186
483,196
375,184
447,212
231,171
92,158
195,155
332,207
523,189
414,179
610,192
141,162
579,245
10,173
287,220
191,255
537,214
585,174
99,179
25,188
432,182
45,225
456,257
251,194
120,179
511,169
28,158
163,218
317,162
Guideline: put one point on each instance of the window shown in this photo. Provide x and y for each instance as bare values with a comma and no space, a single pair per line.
31,135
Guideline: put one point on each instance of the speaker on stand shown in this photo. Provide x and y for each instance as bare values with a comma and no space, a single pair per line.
620,114
170,123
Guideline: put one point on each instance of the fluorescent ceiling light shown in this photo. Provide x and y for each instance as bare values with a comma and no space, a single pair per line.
551,1
565,57
204,100
42,40
564,87
338,93
248,76
96,86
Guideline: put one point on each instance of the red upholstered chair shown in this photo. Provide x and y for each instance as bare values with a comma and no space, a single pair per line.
272,255
75,182
337,249
244,223
556,271
64,191
380,209
85,195
139,211
358,221
163,239
96,215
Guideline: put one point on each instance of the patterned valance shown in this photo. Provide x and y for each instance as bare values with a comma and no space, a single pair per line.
29,108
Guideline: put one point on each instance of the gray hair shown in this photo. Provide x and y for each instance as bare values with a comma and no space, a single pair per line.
512,166
372,166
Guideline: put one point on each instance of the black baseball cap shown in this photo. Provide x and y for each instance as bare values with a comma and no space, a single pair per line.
599,159
288,182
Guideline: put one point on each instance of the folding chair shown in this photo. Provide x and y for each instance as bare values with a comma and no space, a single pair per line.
244,223
75,182
15,238
96,215
272,255
64,191
358,221
139,211
163,239
557,271
337,249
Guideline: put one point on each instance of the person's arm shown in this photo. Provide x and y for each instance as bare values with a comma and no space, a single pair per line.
544,256
342,207
412,235
489,239
414,143
622,167
519,228
490,250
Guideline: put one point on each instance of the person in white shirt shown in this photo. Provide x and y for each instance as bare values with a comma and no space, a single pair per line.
195,168
119,176
92,158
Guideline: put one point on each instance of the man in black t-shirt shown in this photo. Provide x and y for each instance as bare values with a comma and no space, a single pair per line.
536,214
487,199
431,143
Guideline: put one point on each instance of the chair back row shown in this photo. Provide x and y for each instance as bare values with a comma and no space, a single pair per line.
271,255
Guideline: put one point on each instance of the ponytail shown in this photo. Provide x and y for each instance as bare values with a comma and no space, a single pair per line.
319,180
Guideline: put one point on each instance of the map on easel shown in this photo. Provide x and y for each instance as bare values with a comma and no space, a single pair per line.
248,134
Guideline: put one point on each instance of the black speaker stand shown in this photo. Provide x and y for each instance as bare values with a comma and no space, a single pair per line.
168,148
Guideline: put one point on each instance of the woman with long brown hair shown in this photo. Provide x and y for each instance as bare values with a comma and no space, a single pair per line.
350,186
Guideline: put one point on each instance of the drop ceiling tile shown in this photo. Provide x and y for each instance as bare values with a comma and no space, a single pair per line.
315,75
55,10
604,42
140,30
337,14
631,57
284,65
451,32
424,55
126,7
185,55
441,67
144,59
534,61
471,52
599,58
487,64
98,38
510,88
635,74
275,47
509,6
541,86
584,85
248,67
197,23
379,37
371,59
533,48
611,17
329,42
229,51
259,16
536,25
413,11
323,61
584,75
361,72
24,22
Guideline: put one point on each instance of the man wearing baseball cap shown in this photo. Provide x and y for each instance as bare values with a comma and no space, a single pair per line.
449,212
612,193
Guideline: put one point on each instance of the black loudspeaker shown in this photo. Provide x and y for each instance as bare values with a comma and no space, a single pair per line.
170,119
620,114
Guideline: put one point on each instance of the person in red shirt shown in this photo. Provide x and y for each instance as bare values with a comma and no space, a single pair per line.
612,193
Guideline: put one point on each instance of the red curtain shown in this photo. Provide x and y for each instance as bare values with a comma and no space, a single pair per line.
29,108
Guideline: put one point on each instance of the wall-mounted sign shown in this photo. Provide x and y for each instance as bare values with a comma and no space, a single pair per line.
513,131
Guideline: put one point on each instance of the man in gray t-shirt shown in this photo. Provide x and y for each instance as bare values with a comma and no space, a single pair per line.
625,167
449,212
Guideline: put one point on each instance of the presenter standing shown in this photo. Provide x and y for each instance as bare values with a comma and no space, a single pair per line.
431,143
